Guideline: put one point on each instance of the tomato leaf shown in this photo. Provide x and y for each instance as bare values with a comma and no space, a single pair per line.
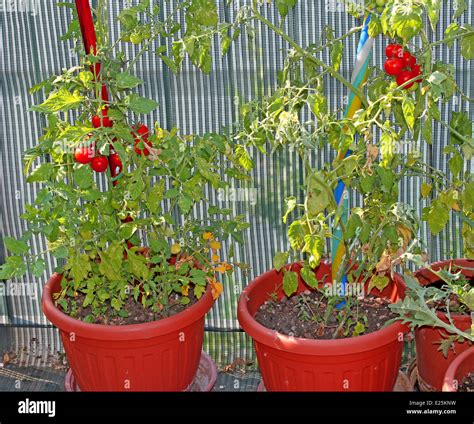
126,80
17,247
14,266
155,196
83,177
456,164
60,101
137,264
296,235
387,148
432,9
459,7
425,189
379,282
280,259
244,158
408,107
437,216
406,20
307,274
290,282
375,26
41,173
38,267
284,6
290,207
467,47
139,104
336,54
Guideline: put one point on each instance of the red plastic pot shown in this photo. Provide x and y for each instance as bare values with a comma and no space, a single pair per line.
157,356
458,370
366,363
431,363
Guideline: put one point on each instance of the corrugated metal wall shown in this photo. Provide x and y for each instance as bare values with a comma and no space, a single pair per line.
196,103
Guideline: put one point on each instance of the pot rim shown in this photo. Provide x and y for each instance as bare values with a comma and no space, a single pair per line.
431,278
450,375
121,332
314,347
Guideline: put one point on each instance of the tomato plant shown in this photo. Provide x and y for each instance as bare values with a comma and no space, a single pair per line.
381,234
134,236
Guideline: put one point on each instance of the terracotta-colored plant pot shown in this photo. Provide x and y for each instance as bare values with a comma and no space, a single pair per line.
366,363
431,363
161,355
458,370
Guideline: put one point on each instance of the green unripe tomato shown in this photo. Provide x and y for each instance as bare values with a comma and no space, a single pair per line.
86,235
126,38
380,3
135,38
145,32
380,9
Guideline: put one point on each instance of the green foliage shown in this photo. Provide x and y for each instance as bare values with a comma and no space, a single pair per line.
280,259
284,6
290,282
160,191
99,235
417,309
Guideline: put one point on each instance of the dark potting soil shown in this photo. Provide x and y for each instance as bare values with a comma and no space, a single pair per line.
467,384
137,314
288,316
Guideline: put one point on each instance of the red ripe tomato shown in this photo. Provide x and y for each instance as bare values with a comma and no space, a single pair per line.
416,69
408,59
99,163
104,122
96,123
84,154
393,66
143,131
403,77
393,50
139,151
115,163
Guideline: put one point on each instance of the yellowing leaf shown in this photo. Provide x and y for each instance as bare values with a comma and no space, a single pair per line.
60,101
425,189
216,288
290,282
405,233
379,282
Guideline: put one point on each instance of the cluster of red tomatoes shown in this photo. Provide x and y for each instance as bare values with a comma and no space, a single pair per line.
401,64
99,163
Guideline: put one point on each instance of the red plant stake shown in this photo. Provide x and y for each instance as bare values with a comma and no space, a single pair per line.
86,23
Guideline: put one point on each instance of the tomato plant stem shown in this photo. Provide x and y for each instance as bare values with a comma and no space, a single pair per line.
310,57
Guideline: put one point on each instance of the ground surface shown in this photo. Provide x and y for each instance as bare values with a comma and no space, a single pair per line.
18,378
